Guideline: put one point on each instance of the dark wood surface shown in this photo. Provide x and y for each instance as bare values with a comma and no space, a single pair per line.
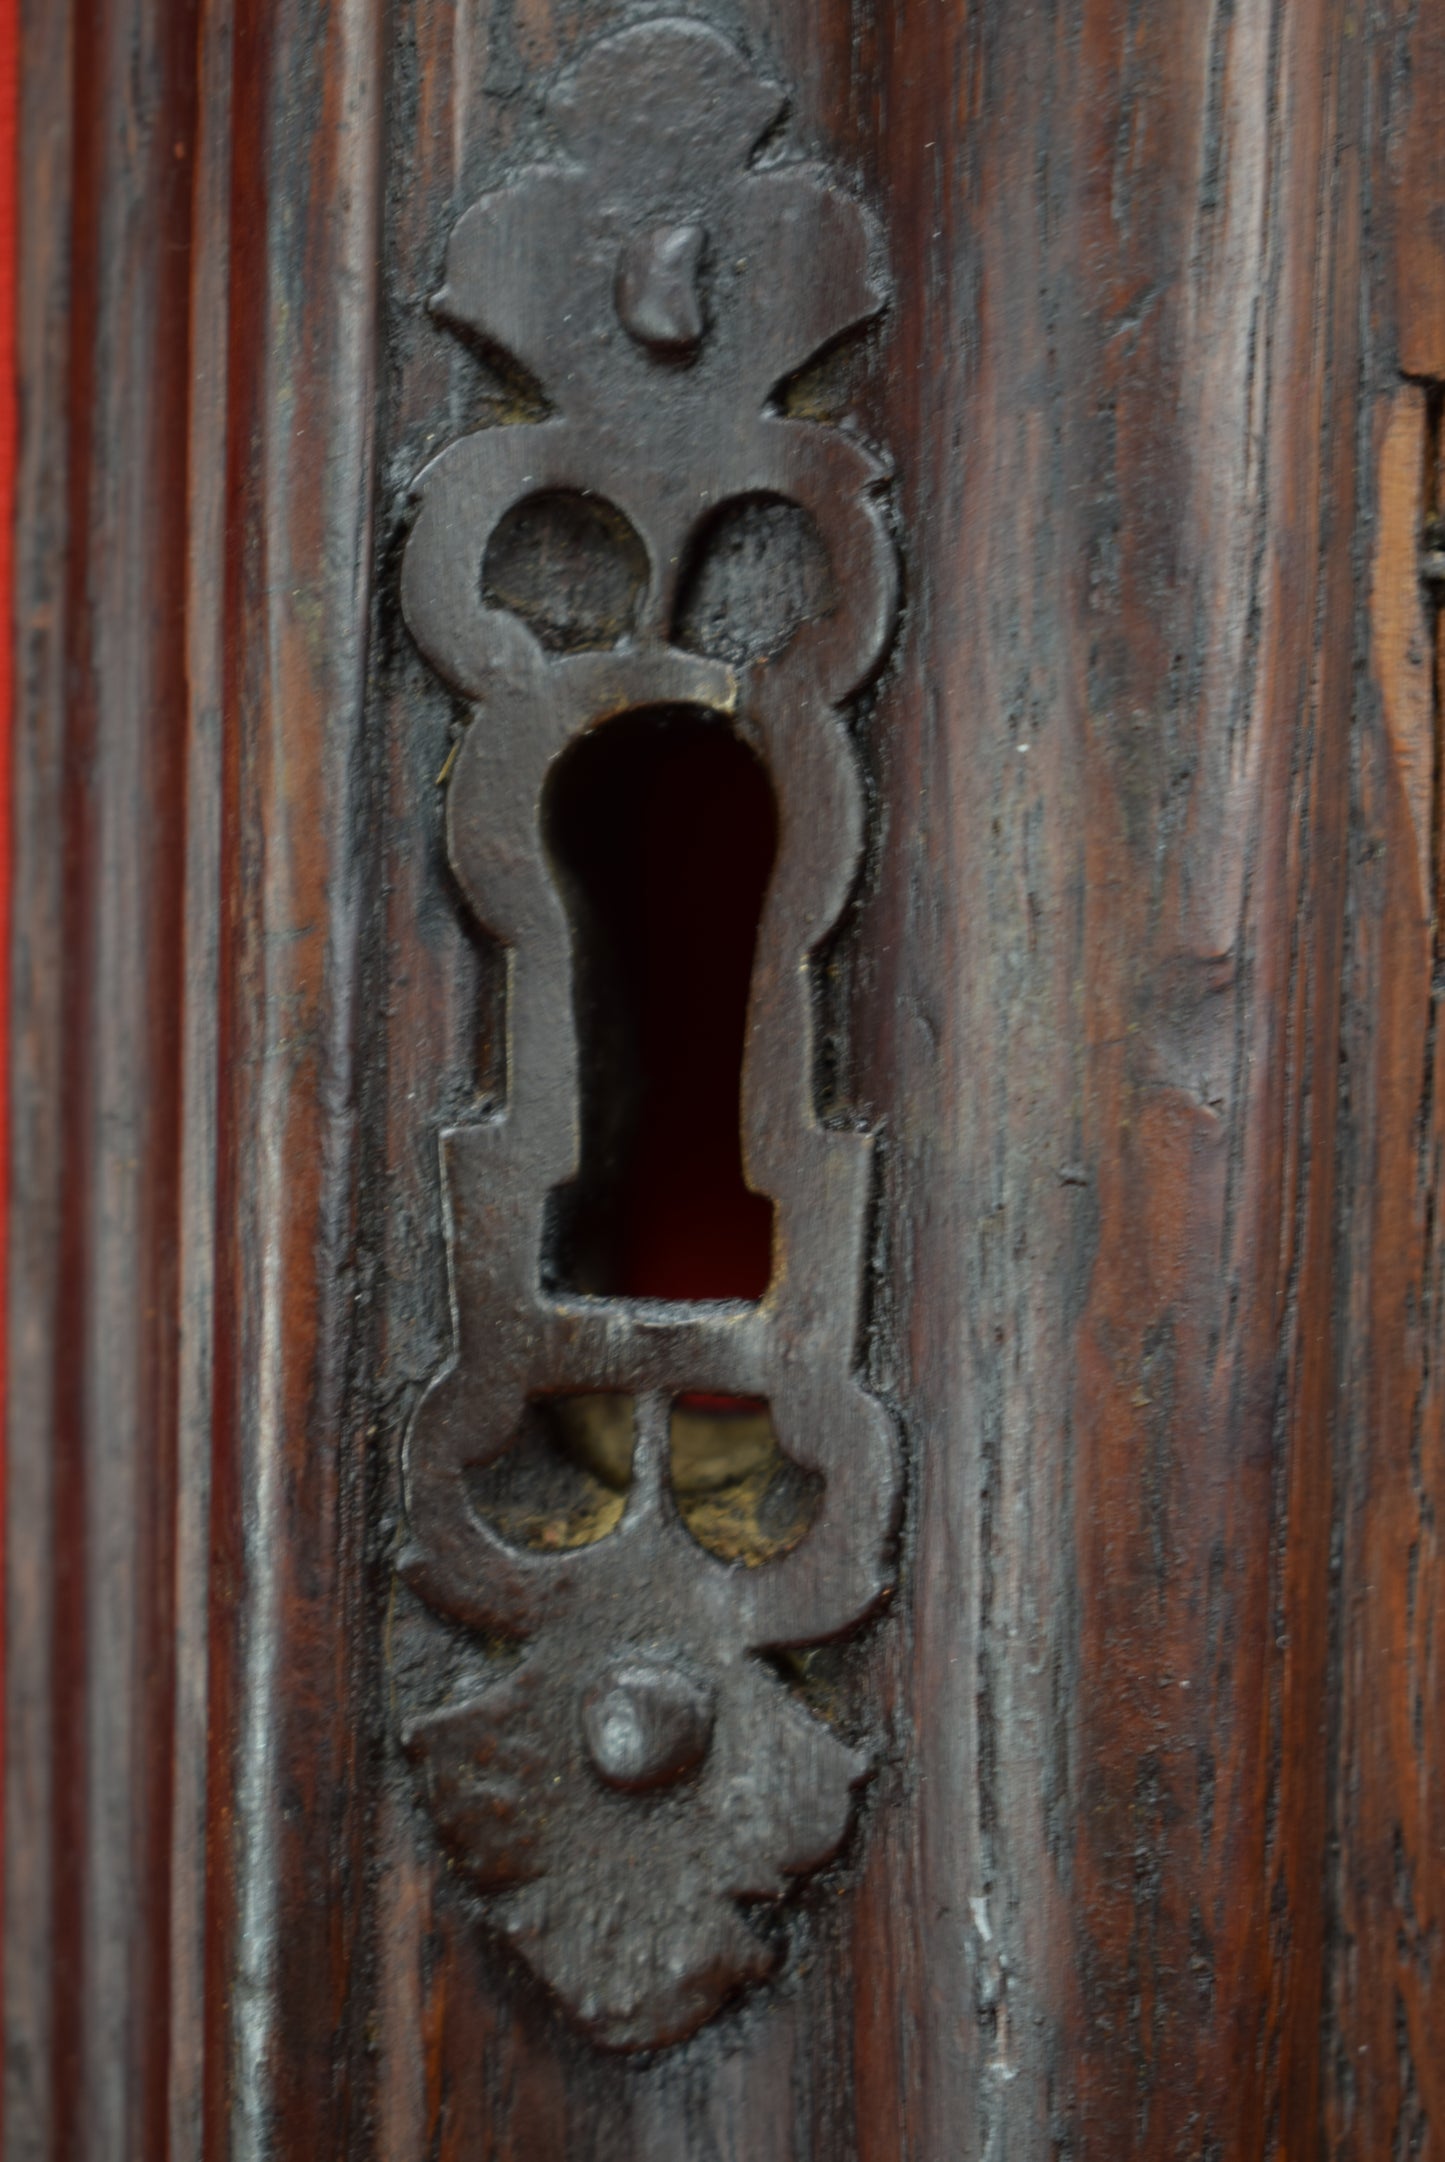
1386,1703
1138,999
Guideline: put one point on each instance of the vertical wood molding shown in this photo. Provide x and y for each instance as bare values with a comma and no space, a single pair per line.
291,1639
204,922
35,1054
1385,2092
100,759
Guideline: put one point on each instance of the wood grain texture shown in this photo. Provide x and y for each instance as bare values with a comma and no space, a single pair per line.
291,1649
1384,2085
1138,994
200,1075
35,1054
1120,798
100,750
1411,176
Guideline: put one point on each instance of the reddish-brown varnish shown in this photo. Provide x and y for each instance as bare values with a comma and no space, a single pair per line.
9,87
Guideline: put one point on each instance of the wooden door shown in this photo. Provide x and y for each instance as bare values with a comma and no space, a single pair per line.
725,1424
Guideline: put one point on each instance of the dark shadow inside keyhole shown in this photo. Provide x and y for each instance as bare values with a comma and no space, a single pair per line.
662,831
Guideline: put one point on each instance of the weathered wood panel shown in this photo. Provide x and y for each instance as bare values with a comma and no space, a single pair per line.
109,108
1118,792
1387,1687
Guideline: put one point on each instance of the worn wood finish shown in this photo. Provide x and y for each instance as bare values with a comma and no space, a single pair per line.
1121,805
1385,2081
1138,998
109,116
193,617
292,1651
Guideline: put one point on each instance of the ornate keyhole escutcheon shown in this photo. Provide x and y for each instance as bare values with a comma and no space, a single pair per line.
667,540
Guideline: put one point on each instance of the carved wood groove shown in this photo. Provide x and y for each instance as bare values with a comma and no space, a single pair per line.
632,1770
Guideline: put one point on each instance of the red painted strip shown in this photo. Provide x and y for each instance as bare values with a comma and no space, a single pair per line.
9,83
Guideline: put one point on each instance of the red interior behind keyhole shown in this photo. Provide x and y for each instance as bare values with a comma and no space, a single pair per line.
704,835
666,829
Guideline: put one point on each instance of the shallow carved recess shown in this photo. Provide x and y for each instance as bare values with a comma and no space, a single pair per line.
638,1771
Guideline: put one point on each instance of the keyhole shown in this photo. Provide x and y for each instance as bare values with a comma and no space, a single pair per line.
662,830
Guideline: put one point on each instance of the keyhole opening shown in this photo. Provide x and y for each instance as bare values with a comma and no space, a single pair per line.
662,830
